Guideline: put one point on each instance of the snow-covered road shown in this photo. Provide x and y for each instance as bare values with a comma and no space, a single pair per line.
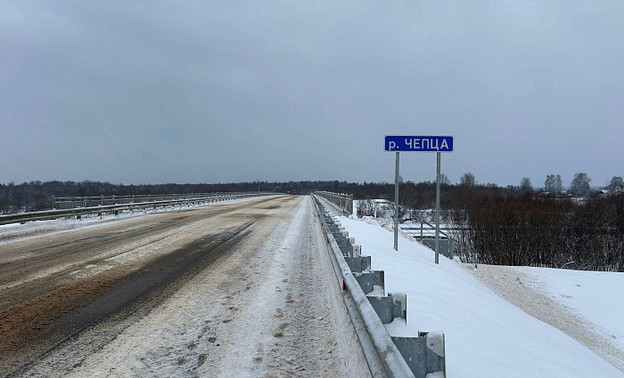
253,298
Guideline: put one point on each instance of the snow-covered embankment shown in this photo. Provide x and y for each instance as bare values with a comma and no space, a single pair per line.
486,336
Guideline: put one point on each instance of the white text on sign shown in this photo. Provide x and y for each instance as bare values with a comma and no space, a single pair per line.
419,143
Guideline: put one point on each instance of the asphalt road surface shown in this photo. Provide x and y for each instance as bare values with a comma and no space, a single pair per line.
239,289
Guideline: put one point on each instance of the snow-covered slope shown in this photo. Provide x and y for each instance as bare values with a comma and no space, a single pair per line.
598,296
486,336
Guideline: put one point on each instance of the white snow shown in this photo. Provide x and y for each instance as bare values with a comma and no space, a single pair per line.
10,225
597,296
485,335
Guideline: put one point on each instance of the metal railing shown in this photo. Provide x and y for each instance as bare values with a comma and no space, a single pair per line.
427,230
426,235
117,208
386,355
342,202
92,201
382,356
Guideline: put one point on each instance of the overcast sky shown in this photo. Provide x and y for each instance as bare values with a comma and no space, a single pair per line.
225,91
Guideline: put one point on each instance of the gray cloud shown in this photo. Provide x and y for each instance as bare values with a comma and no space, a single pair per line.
195,91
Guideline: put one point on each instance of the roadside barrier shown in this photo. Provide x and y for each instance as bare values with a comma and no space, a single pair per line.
343,203
370,308
426,235
116,209
93,201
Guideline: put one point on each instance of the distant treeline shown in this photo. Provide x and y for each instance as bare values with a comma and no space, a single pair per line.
505,226
37,195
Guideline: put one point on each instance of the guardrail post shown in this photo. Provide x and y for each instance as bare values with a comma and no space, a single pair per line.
424,354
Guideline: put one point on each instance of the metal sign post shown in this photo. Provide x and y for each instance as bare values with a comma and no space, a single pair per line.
438,144
437,234
396,203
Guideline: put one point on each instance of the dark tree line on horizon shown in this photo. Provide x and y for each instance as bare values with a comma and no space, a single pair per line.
507,226
543,232
582,230
37,195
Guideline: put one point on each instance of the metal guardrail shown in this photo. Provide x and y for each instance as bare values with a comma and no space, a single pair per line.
93,201
382,356
386,355
115,209
342,202
426,235
427,229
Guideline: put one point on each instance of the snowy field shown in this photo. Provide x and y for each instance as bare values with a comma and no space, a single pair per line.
486,336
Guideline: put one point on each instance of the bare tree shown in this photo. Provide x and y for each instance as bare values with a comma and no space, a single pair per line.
468,179
580,185
616,185
525,185
444,180
365,208
553,184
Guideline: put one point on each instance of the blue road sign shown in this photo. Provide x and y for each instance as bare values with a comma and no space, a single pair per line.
396,143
